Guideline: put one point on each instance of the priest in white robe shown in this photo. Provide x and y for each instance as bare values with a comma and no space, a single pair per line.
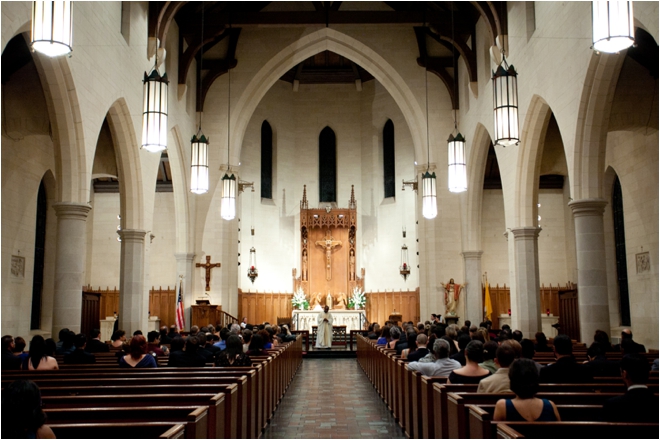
324,330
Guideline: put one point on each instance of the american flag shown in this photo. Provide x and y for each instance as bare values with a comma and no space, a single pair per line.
180,320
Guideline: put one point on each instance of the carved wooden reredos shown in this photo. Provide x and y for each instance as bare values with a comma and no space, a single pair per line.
328,251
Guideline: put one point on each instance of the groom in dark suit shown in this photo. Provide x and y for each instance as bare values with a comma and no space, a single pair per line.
638,404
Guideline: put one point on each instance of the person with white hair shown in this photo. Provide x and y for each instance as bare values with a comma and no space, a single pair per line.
442,366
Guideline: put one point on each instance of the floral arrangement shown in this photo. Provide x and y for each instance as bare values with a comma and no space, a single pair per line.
357,300
299,300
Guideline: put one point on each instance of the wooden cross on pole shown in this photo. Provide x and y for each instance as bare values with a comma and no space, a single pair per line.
208,266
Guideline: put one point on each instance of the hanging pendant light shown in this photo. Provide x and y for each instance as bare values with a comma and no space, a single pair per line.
228,206
154,115
457,173
199,144
456,160
612,25
505,103
252,269
404,269
429,196
52,28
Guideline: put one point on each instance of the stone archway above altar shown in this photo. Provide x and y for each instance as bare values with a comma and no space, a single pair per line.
352,319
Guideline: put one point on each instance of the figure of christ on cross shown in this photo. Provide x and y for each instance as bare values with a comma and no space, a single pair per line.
208,266
328,244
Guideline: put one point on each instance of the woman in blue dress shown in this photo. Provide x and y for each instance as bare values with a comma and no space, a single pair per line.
137,356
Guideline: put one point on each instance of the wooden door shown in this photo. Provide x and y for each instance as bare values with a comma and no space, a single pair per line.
91,308
569,317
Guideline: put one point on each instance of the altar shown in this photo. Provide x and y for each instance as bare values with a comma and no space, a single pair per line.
352,319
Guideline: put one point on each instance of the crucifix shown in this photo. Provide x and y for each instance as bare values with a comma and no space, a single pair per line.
208,266
328,244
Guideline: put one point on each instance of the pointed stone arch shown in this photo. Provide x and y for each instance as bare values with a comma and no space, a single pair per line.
346,46
179,167
474,196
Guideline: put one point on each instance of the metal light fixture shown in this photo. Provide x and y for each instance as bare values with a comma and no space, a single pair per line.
457,173
505,104
199,144
228,205
252,269
154,115
52,28
429,197
404,269
612,26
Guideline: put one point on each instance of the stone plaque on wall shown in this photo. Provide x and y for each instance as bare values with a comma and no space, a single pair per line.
17,267
643,262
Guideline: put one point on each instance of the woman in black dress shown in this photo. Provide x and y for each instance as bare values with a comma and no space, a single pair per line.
233,356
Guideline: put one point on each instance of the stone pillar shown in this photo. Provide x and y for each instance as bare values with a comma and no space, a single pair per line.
185,264
592,274
474,308
69,265
132,315
526,306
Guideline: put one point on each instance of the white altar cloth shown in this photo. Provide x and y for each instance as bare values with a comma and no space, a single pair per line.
352,319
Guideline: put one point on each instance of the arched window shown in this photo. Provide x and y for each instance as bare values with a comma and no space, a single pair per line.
620,251
388,158
327,166
266,161
39,253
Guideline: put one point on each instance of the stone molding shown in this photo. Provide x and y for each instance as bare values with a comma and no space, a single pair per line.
472,255
588,207
525,232
72,211
134,235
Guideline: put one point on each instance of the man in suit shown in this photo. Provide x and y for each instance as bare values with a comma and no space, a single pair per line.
499,382
189,357
164,338
638,405
421,351
628,346
9,361
79,355
442,366
566,369
173,333
95,345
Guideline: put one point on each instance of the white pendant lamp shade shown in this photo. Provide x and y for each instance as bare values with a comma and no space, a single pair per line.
52,28
199,164
613,28
429,198
154,116
228,205
505,103
456,160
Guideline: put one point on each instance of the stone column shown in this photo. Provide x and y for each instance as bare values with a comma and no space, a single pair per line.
526,306
185,264
132,315
592,273
474,308
69,265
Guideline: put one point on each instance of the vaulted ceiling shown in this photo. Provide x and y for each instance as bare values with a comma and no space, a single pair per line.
444,30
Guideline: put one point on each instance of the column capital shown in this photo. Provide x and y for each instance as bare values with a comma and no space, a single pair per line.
70,210
135,235
525,232
588,207
184,256
472,255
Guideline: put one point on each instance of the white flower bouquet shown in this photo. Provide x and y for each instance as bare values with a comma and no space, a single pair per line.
357,300
299,300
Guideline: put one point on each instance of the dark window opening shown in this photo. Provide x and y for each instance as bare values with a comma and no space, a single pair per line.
39,253
620,251
388,158
266,161
327,166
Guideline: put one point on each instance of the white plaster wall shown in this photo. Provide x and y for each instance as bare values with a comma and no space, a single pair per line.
105,249
494,260
162,263
552,238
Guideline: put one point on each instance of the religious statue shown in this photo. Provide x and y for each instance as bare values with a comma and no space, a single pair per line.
304,266
316,302
452,293
341,302
328,244
328,300
351,262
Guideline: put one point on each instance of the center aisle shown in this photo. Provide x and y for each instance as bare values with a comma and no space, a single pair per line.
332,398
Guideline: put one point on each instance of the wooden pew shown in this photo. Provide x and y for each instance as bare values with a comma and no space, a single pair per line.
428,420
120,430
195,419
516,430
214,403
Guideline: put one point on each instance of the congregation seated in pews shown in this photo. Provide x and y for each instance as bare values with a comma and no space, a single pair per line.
578,392
227,395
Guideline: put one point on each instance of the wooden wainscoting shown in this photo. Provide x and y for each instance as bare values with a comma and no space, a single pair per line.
380,305
262,307
500,297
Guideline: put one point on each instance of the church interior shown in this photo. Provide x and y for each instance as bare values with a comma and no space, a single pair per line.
324,128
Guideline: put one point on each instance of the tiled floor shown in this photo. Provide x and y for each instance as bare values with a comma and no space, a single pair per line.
332,398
